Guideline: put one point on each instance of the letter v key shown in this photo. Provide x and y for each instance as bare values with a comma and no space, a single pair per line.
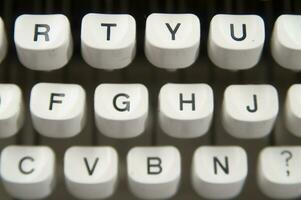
101,163
91,169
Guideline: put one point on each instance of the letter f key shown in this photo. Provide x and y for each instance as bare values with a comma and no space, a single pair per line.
121,110
58,110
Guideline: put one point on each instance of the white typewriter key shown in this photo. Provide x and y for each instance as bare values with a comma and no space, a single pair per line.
172,40
219,172
154,172
58,110
121,110
286,42
108,41
3,41
249,111
11,110
236,41
91,172
278,173
292,110
28,172
43,42
185,110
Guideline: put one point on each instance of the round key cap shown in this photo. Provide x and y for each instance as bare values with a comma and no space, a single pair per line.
286,42
28,172
236,41
43,42
249,111
172,40
108,41
219,172
91,172
292,110
121,110
154,172
185,110
58,110
12,111
278,172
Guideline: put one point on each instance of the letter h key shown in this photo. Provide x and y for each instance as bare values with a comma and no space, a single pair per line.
186,107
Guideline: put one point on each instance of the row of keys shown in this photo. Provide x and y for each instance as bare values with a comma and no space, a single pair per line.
172,41
218,172
121,110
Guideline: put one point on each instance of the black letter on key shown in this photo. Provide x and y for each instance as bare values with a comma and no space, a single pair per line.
192,101
154,165
254,109
224,167
21,169
108,29
174,31
37,31
126,103
52,100
244,33
90,170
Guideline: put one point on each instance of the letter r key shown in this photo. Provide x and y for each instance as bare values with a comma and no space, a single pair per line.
121,110
43,42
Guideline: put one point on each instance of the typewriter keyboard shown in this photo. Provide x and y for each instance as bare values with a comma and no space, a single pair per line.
154,99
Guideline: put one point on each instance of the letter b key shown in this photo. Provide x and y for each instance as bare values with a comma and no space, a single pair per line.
154,172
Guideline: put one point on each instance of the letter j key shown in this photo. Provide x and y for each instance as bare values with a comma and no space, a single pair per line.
249,111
